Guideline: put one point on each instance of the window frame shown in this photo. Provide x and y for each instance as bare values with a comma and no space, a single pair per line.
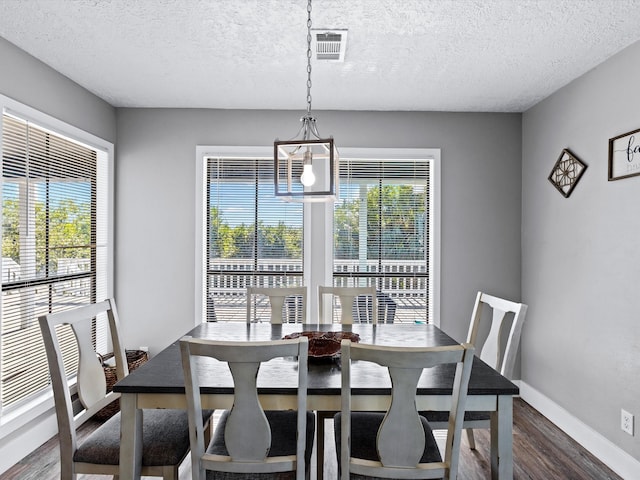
432,155
201,248
318,223
397,169
19,415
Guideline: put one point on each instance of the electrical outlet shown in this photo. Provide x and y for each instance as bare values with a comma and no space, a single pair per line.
626,421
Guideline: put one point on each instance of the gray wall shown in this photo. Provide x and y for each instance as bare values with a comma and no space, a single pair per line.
581,256
155,218
29,81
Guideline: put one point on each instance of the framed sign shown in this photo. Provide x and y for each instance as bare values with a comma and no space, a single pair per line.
566,172
624,155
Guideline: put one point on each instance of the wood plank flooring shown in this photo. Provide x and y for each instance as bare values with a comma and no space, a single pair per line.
541,452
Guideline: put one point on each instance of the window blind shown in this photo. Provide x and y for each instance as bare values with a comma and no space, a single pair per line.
381,232
253,238
50,248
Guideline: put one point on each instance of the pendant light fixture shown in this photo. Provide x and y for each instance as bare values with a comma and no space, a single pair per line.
306,168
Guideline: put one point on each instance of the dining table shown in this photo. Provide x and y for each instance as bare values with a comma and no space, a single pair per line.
159,383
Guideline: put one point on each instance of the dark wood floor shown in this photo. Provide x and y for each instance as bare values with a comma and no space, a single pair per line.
541,452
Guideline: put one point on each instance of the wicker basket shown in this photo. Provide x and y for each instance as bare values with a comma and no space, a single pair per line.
135,358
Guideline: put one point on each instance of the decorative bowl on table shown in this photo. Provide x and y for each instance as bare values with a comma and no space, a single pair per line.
324,345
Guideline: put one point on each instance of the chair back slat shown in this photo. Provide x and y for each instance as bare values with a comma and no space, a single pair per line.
287,304
92,383
402,421
247,432
347,296
495,351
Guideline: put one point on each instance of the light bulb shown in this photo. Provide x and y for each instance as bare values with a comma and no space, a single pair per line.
307,178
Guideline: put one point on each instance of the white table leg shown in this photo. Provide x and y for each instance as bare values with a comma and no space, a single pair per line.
130,437
502,439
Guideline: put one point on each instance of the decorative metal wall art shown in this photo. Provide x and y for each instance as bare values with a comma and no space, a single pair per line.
566,172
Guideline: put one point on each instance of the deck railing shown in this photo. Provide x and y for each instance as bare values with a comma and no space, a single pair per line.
404,281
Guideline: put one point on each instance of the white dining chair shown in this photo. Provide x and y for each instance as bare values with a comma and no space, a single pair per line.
347,303
399,443
363,308
494,350
347,297
287,304
248,441
165,433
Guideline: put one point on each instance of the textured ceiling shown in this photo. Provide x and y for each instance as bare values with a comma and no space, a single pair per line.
446,55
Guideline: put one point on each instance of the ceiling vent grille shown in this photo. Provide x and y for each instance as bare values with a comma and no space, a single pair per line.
329,45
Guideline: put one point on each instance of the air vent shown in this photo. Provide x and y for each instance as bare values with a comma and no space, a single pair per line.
329,45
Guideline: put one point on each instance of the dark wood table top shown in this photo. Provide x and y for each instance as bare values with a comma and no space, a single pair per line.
163,373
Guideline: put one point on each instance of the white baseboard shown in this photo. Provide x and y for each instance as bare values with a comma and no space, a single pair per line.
606,451
20,443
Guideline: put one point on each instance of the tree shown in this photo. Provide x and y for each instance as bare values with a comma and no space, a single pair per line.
346,229
274,241
10,230
68,234
279,241
215,225
395,224
62,232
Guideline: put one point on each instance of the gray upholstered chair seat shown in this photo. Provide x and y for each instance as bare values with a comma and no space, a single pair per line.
165,439
364,429
283,442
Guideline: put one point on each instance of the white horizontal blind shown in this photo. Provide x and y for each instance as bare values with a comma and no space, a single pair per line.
381,235
253,238
50,252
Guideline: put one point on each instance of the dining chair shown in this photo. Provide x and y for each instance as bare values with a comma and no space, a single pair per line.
363,309
359,304
347,297
288,304
496,351
248,441
399,443
165,441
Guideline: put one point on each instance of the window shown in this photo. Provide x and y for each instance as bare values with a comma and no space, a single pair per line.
252,238
381,232
55,246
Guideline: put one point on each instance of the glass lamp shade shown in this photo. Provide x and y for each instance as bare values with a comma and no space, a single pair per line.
306,170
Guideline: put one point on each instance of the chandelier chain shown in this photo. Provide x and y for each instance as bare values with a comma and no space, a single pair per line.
309,58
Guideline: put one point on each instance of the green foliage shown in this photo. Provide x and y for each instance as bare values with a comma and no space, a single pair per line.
346,229
395,224
274,241
10,230
279,241
63,232
395,229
